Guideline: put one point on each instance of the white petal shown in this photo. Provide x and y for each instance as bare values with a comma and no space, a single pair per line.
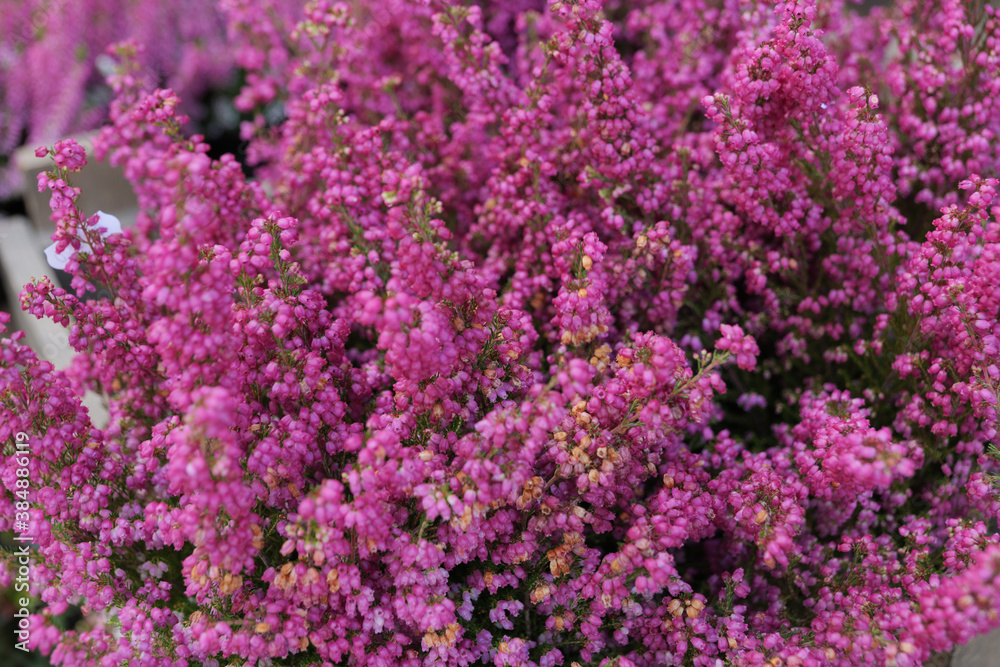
111,224
58,260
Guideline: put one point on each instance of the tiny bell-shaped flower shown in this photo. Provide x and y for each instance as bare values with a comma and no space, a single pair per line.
108,223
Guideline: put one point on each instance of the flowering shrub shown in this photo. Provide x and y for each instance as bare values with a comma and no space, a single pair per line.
625,335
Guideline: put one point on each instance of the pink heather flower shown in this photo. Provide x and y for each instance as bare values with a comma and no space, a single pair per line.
741,346
433,386
104,223
68,155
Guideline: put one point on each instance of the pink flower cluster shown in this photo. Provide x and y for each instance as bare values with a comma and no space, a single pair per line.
436,386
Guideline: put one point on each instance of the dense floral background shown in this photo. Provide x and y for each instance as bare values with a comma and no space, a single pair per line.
646,333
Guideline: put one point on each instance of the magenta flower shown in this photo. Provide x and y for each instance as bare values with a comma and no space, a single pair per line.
437,384
103,223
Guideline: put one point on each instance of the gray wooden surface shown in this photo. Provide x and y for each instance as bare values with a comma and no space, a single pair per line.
980,652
